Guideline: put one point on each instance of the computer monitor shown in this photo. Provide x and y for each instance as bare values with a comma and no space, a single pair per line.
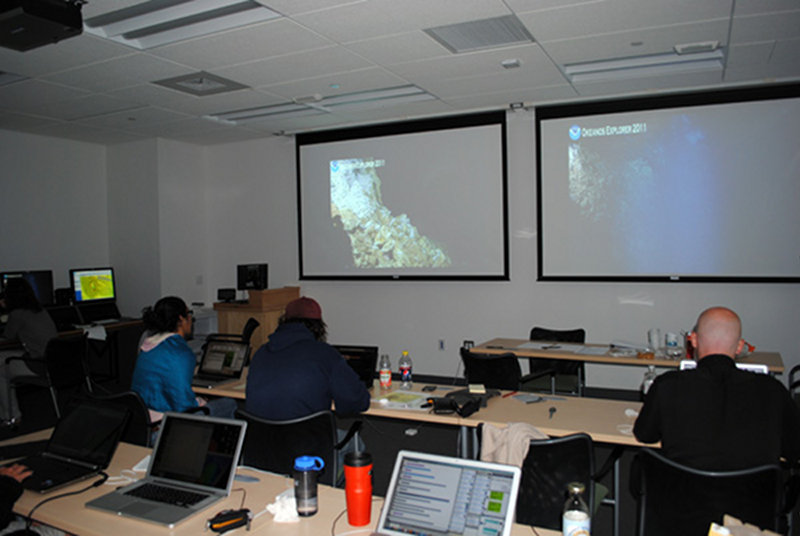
251,276
92,285
41,281
362,359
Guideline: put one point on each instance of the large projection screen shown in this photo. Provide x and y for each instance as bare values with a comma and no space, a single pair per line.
691,187
413,200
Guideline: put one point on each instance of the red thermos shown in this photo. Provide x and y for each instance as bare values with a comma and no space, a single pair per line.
358,487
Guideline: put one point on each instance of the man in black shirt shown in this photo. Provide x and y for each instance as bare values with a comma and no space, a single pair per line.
717,417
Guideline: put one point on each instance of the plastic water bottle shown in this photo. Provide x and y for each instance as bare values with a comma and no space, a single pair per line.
385,372
577,520
405,369
649,378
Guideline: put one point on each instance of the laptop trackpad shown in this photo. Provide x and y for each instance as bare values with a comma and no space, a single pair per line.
138,509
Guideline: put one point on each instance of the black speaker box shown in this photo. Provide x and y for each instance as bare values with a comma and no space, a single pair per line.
29,24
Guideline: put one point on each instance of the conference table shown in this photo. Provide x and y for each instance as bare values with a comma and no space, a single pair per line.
69,513
600,354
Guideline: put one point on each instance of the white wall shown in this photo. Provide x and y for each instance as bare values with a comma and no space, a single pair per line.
252,190
52,205
176,212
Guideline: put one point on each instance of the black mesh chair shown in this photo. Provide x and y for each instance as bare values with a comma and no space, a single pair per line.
565,376
794,383
65,370
274,445
550,465
676,499
493,371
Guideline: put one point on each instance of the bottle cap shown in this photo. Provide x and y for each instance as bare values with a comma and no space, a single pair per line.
576,487
308,463
357,459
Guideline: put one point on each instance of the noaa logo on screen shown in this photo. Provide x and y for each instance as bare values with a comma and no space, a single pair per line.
575,132
335,166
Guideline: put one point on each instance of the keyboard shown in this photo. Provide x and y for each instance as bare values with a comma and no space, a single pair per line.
165,494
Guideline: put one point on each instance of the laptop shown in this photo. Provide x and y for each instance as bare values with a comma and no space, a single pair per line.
222,361
83,443
362,359
192,466
433,494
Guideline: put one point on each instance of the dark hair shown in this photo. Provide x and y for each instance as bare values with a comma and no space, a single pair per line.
20,295
164,315
318,328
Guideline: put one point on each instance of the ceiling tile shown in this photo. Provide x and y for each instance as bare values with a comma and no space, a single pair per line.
785,25
295,67
242,45
118,73
132,119
29,95
361,80
399,48
374,18
68,54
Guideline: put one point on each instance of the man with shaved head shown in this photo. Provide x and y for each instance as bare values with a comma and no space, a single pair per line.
717,417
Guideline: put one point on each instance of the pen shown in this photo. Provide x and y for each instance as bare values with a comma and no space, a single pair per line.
509,394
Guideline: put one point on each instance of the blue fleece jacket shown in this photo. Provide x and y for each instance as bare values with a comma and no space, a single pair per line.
163,375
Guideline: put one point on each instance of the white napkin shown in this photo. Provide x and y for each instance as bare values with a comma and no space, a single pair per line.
284,509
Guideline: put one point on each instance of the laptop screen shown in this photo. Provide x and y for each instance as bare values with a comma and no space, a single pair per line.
89,432
362,359
443,496
224,358
198,450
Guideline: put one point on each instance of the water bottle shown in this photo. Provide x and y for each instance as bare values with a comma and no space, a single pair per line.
385,372
576,521
649,378
305,483
405,370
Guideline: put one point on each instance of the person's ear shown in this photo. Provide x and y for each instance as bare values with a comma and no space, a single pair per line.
740,346
693,338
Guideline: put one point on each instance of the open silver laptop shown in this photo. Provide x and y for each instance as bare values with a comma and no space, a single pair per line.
222,361
433,494
192,466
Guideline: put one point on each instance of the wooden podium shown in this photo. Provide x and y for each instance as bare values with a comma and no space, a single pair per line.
266,306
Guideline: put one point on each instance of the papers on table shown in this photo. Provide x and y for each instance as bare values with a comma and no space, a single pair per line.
561,347
403,400
593,350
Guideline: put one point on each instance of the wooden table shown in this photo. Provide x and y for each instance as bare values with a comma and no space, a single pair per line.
501,345
70,514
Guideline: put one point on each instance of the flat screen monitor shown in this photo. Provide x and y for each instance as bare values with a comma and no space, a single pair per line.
251,276
41,281
91,285
362,359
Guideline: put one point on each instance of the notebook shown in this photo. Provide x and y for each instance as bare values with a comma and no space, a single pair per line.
192,466
81,446
433,494
222,361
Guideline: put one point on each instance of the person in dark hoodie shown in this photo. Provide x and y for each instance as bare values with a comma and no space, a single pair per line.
297,373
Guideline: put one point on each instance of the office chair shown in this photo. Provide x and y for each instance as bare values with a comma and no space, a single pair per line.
247,333
550,465
493,371
65,370
273,445
794,383
572,373
676,499
140,428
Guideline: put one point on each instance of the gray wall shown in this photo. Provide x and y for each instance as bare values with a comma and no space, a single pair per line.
223,205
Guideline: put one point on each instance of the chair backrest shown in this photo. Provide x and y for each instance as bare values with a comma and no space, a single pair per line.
676,499
550,465
139,429
558,335
273,445
249,328
493,371
65,362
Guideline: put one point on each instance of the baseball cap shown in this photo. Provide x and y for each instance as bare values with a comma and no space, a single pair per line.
304,308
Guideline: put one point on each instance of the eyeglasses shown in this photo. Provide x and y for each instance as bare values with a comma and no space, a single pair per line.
188,313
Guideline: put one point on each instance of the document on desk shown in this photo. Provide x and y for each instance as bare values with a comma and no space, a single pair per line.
561,347
593,350
403,400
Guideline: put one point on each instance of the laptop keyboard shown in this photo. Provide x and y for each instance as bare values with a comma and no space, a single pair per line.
165,494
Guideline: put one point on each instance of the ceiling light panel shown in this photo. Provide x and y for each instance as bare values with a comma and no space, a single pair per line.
654,65
160,22
481,34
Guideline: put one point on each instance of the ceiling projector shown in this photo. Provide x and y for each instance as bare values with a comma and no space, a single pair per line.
29,24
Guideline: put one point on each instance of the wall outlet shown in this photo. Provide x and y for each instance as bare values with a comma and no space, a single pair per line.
441,344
